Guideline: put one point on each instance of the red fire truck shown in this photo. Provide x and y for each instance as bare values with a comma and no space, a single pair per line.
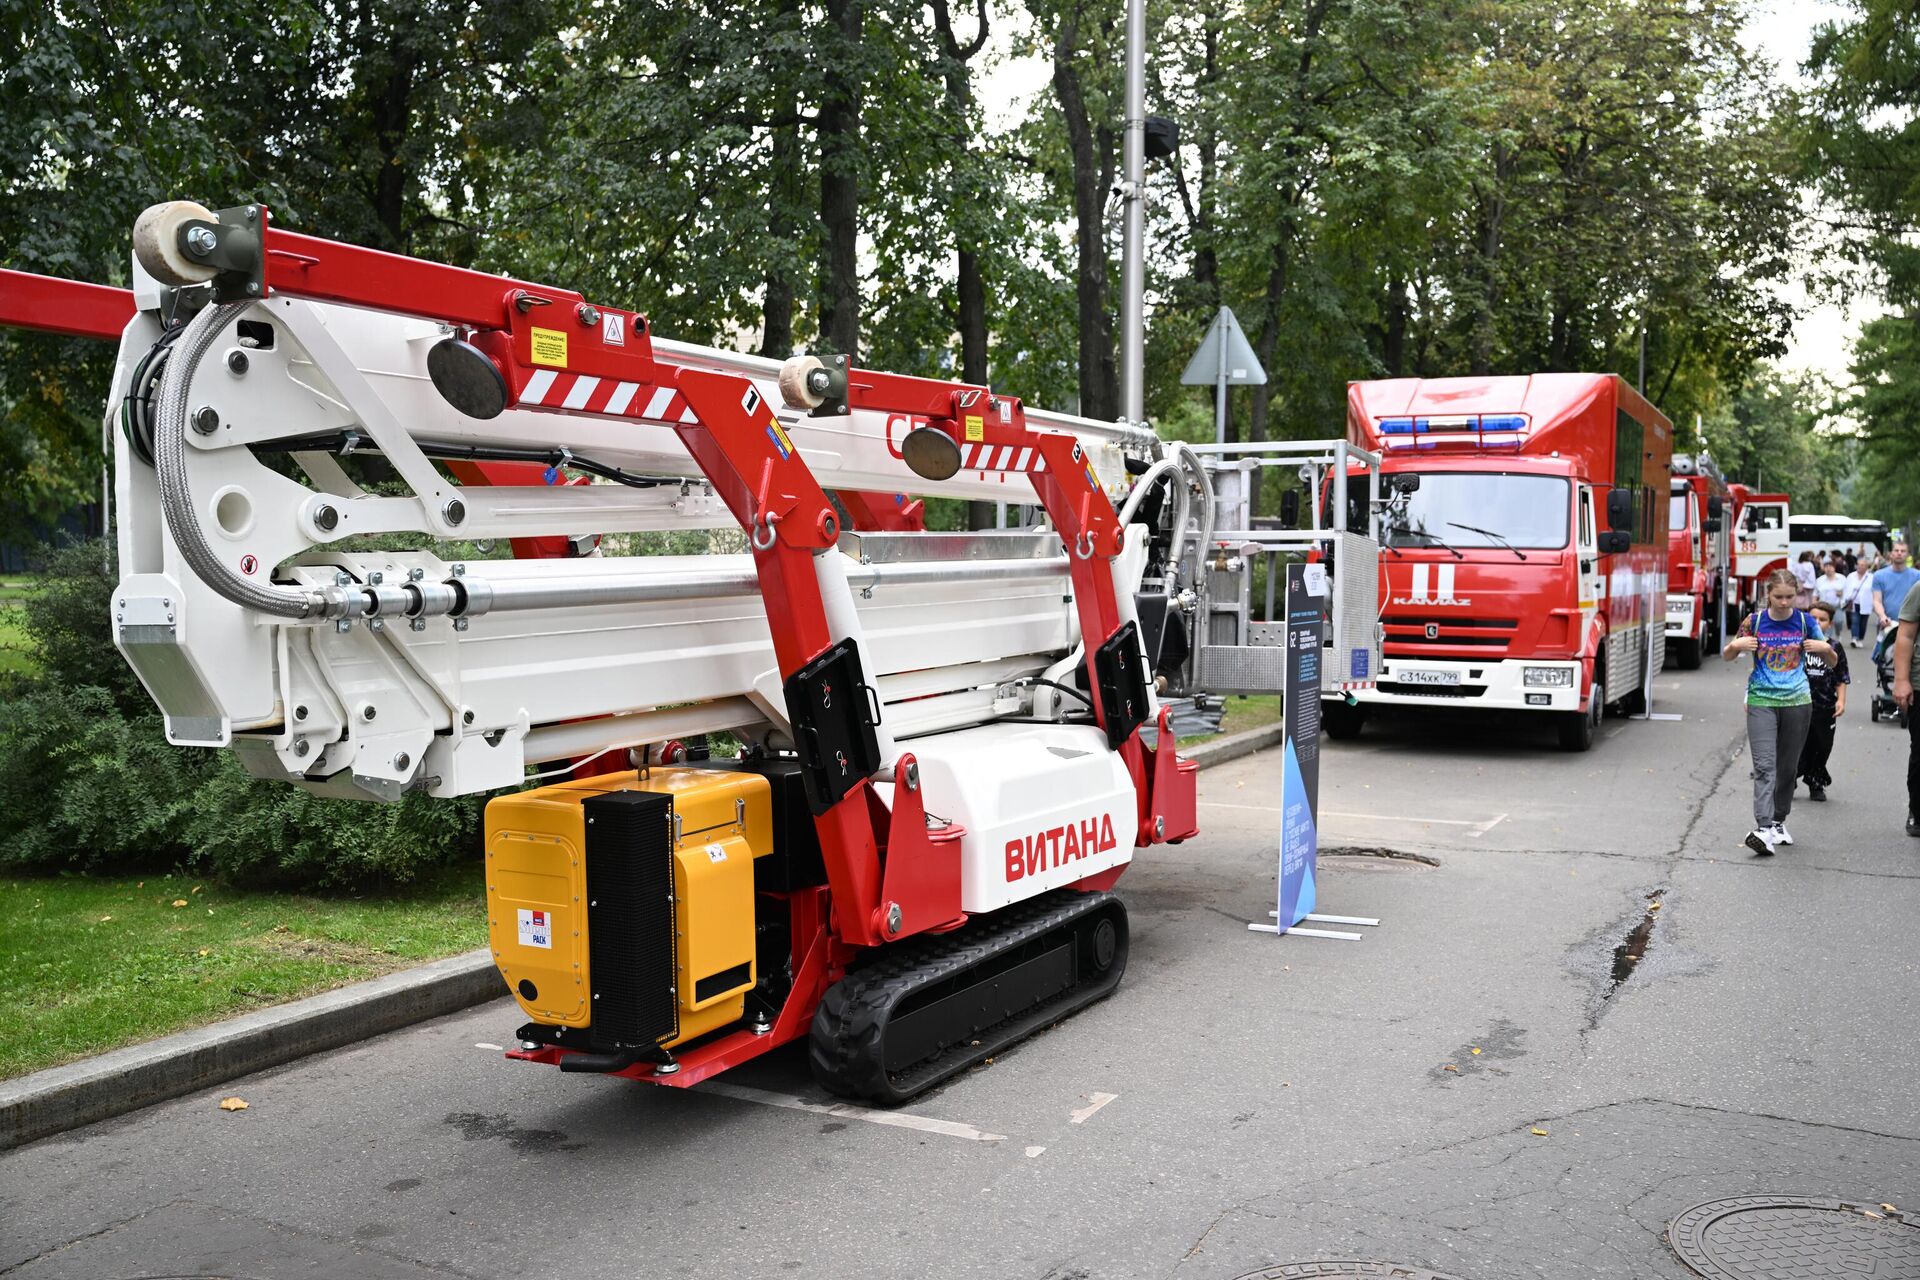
1699,560
1523,545
1760,545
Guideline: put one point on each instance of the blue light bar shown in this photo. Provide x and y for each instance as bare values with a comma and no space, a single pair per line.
1503,422
1396,426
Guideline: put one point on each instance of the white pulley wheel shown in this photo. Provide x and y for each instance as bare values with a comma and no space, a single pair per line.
793,382
156,243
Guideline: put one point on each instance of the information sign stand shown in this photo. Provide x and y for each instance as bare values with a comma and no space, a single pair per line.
1306,635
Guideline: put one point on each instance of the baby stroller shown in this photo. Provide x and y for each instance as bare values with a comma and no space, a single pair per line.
1882,705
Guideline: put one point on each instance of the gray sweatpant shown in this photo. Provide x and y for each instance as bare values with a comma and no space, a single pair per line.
1774,738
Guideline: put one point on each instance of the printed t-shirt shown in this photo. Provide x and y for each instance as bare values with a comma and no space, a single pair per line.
1779,677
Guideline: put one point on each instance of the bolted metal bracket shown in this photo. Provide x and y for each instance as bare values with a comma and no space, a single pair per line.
235,244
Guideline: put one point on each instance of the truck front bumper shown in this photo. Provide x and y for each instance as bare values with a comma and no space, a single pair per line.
1683,618
1501,684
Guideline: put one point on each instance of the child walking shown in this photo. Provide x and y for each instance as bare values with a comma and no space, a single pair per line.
1828,682
1779,703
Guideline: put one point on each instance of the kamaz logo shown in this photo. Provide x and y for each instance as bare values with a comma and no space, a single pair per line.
1443,594
1057,846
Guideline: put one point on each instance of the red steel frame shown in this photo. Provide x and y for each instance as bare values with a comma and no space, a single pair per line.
877,857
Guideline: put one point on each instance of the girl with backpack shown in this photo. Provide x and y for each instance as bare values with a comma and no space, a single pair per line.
1779,703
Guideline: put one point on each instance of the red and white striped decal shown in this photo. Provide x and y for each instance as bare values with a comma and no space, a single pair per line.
582,393
1002,457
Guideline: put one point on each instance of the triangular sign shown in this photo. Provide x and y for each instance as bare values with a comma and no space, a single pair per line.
1225,339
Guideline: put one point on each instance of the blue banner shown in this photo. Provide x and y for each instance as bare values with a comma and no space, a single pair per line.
1300,742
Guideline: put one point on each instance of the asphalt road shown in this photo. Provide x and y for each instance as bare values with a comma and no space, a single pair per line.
1243,1101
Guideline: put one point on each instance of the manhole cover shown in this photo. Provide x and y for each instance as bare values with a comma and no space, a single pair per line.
1344,1271
1789,1238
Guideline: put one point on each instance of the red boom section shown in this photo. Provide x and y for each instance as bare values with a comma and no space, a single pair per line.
64,306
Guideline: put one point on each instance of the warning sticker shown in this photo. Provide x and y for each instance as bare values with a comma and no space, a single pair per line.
976,428
550,347
536,929
781,441
613,328
716,853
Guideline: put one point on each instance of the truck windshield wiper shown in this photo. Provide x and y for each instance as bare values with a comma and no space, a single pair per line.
1474,528
1431,541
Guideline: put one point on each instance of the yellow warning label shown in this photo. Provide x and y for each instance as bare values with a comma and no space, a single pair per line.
976,428
550,347
781,440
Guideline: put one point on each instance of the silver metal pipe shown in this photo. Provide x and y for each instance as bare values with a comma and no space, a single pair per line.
1133,196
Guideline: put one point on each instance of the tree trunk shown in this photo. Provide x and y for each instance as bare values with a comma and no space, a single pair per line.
392,107
839,134
1393,332
783,198
1092,175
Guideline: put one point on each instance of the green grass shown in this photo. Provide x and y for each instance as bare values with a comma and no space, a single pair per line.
16,647
1254,711
93,964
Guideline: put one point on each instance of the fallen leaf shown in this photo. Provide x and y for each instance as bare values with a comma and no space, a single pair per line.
196,888
1653,906
141,885
1476,1053
233,1104
179,902
1538,1132
205,952
1450,1067
104,919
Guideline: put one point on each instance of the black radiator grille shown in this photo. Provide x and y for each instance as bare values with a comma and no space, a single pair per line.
631,944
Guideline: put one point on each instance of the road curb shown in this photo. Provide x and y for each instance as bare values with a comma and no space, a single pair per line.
62,1098
1234,746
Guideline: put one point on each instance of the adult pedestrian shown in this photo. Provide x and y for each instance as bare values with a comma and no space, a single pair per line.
1827,682
1906,674
1858,578
1830,588
1779,703
1892,584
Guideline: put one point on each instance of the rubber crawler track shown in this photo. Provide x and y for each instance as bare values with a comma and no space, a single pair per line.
848,1042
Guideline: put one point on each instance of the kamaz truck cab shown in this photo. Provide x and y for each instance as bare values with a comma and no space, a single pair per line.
1523,545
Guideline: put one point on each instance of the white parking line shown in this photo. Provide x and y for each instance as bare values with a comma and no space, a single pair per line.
484,1045
1488,825
848,1111
1097,1101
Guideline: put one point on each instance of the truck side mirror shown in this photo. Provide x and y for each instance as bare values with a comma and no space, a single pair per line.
1614,542
1712,525
1715,505
1406,484
1290,509
1753,522
1619,509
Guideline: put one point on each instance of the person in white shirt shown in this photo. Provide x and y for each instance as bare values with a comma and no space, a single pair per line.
1856,614
1830,588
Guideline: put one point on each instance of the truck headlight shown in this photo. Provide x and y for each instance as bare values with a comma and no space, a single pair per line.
1548,677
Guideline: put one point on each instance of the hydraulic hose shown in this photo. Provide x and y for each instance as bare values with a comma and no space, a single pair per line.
176,496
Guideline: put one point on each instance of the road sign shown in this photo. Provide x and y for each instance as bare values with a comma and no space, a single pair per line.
1225,359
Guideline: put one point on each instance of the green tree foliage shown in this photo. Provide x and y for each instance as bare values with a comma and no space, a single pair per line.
1862,148
1777,434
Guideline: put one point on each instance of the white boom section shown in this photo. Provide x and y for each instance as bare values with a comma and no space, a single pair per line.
566,657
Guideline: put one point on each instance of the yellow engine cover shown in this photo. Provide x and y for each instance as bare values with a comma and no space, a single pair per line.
537,909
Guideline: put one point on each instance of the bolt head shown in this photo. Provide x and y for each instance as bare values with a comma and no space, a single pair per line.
913,775
588,313
1159,828
300,747
201,241
343,625
893,917
375,624
402,762
237,362
460,624
375,578
418,624
455,511
466,717
368,712
253,288
300,712
206,420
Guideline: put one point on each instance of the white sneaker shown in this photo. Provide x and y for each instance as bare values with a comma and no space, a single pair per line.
1760,840
1778,833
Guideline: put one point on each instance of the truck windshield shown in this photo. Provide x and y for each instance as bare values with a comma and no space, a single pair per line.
1461,509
